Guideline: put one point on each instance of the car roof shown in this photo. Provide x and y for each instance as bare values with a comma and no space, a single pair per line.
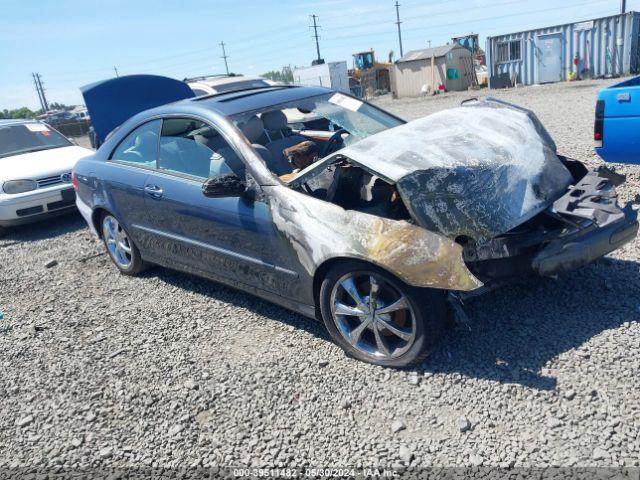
230,103
233,103
16,121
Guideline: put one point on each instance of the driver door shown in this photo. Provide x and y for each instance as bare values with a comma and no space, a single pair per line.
226,237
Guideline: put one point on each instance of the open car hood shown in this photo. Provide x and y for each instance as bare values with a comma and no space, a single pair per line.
111,102
478,170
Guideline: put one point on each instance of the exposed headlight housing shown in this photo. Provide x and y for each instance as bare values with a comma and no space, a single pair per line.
19,186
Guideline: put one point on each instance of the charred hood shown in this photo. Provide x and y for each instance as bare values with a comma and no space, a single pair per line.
476,171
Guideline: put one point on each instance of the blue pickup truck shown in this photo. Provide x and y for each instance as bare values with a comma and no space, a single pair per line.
617,127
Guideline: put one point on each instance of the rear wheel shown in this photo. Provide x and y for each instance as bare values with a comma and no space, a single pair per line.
122,251
377,318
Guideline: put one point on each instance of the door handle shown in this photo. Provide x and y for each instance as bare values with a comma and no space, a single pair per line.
153,191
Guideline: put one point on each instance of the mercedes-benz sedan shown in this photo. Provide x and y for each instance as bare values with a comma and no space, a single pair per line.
385,227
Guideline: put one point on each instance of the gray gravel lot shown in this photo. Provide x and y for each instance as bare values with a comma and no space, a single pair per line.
170,370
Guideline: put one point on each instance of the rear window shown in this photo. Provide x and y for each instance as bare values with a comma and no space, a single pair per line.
29,137
232,87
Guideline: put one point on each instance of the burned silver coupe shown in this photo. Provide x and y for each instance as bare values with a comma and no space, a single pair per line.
331,207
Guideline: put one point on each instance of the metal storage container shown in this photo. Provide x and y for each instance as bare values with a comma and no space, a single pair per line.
601,47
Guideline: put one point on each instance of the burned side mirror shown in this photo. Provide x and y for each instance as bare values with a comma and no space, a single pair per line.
229,185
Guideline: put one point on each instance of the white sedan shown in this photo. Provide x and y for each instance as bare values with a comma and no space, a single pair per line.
212,84
35,172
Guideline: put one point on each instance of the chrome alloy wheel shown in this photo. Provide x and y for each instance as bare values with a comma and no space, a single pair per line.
117,242
372,315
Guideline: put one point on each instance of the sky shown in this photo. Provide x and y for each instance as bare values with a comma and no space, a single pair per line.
72,43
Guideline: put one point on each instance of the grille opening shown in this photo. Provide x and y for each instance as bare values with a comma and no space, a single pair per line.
52,180
23,212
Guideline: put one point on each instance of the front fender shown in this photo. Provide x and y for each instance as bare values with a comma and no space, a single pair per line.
318,231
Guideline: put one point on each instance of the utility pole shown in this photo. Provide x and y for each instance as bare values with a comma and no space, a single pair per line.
35,81
225,56
398,22
115,69
623,6
315,35
38,80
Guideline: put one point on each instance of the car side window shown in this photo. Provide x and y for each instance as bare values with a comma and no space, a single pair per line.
140,147
192,147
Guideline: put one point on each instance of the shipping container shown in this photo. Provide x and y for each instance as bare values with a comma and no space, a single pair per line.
602,47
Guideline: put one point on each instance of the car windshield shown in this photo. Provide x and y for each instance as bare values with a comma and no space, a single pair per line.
293,135
327,113
22,138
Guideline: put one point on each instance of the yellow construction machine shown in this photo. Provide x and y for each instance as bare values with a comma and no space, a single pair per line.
368,77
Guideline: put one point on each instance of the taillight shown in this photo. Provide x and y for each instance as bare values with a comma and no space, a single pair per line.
598,127
74,180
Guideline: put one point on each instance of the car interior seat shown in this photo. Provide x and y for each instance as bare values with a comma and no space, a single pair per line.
253,129
280,137
145,147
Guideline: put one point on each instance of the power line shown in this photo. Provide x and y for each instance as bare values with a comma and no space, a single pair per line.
315,35
225,56
398,22
268,49
431,14
286,35
429,27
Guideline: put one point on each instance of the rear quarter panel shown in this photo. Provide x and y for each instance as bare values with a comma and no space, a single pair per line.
112,187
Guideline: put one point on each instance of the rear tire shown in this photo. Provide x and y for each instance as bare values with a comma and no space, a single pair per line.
376,318
123,252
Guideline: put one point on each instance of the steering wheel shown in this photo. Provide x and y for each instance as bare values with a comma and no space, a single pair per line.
334,141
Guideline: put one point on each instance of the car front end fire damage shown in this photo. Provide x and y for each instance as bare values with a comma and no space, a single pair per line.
484,199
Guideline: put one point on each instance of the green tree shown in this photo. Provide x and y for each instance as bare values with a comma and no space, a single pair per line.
285,75
23,112
60,106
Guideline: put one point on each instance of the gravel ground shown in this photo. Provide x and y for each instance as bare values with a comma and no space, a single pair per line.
168,370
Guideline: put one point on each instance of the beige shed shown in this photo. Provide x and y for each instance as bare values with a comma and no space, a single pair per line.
412,74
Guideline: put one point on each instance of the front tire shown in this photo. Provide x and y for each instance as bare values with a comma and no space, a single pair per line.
123,252
379,319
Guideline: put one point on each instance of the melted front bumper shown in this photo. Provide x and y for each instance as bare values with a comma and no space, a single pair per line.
600,225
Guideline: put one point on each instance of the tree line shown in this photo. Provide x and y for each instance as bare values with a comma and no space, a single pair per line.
285,75
26,112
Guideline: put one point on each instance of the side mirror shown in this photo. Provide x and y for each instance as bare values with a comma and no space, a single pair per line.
229,185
